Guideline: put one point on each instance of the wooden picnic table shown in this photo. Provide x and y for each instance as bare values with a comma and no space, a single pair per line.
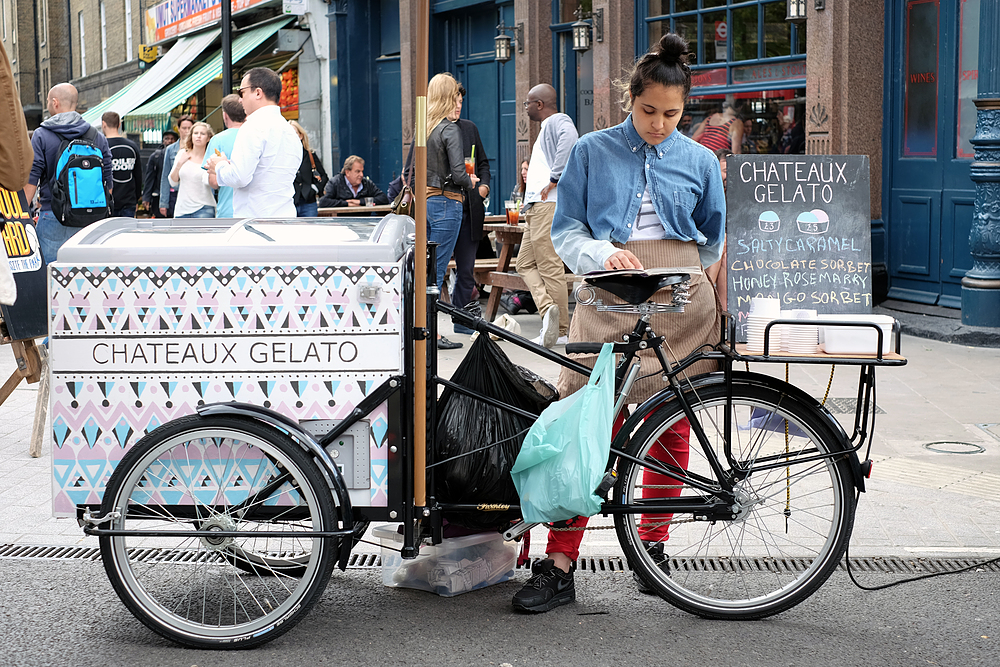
353,211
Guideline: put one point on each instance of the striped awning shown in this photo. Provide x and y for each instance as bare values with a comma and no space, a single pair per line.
175,61
166,101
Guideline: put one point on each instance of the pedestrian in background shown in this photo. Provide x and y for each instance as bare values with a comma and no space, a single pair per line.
63,124
126,167
311,178
233,117
168,194
473,213
266,155
350,187
514,301
153,174
537,261
194,194
447,179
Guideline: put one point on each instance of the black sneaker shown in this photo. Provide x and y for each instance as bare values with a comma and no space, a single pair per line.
547,588
445,344
662,561
510,303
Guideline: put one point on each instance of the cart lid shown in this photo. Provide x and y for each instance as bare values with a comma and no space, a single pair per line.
214,240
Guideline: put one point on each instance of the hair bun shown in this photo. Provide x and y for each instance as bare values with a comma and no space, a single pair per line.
672,48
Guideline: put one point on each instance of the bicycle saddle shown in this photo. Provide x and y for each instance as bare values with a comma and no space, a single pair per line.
635,286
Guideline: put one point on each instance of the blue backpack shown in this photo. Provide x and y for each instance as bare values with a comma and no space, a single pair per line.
79,197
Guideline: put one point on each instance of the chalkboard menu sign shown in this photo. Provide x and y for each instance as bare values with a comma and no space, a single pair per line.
798,227
27,317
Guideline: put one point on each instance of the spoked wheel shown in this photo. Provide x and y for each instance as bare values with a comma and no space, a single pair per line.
222,474
793,517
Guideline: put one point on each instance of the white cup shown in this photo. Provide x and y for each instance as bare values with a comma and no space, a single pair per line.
765,307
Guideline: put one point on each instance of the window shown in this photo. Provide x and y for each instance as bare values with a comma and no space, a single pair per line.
104,37
722,34
43,22
968,78
83,46
129,50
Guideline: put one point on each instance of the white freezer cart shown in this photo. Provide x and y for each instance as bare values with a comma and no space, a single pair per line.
151,318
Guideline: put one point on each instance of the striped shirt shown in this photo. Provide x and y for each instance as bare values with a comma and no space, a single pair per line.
647,225
716,136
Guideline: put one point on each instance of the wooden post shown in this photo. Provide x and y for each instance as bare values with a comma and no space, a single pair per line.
420,262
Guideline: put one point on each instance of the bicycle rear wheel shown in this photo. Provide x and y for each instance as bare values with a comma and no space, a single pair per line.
224,474
792,523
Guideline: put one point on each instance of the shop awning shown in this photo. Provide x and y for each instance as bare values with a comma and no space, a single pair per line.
180,55
176,94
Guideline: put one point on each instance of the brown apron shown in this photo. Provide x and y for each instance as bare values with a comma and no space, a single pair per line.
684,332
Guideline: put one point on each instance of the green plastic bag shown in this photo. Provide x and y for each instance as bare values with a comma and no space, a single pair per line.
565,453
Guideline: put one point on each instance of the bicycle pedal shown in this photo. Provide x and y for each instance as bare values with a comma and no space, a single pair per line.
609,480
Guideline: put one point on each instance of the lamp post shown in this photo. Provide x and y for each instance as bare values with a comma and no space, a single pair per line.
981,284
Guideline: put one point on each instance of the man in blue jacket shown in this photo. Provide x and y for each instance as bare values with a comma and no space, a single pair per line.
63,124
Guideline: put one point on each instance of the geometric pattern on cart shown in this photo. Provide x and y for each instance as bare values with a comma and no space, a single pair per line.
97,416
98,300
94,422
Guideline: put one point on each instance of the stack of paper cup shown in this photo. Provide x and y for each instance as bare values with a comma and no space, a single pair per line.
780,332
762,311
802,338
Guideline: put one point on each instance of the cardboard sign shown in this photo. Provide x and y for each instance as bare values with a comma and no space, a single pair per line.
27,317
798,227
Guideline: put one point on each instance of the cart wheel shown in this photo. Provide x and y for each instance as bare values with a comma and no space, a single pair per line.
794,515
228,474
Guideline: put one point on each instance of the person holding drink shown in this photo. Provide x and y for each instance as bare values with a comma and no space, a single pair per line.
470,232
638,195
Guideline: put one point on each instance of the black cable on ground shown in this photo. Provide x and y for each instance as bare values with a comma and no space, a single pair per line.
847,550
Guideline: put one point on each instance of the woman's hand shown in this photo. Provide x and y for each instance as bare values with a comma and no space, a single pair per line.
622,259
474,178
183,156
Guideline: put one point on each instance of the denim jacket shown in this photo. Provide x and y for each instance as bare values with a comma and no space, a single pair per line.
685,185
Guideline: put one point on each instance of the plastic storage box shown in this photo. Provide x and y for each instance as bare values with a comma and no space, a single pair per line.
856,340
457,565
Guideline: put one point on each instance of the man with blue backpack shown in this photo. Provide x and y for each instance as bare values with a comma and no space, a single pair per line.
71,171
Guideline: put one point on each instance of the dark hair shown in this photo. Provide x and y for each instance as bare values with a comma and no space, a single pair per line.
234,108
665,63
267,80
723,153
187,118
461,90
111,119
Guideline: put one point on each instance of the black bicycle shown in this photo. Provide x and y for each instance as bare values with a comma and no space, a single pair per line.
753,521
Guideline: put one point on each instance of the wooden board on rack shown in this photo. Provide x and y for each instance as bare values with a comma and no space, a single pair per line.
822,357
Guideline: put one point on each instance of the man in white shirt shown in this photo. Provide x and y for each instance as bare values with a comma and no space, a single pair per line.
266,155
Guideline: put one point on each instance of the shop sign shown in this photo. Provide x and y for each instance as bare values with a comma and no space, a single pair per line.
798,228
721,37
708,77
764,73
177,17
296,7
27,317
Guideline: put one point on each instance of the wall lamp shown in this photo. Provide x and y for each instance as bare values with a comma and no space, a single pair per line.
797,10
502,40
581,29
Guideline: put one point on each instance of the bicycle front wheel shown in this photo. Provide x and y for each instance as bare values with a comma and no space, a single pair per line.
793,516
218,474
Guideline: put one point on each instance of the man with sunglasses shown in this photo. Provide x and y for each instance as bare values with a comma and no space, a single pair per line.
266,155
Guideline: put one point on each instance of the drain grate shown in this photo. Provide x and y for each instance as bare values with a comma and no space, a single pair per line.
367,561
847,406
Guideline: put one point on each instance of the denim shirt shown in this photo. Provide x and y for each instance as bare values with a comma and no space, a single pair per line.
685,185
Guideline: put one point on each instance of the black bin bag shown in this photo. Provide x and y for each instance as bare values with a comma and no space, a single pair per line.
466,424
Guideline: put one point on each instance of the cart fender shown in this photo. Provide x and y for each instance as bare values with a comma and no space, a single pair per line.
279,421
655,402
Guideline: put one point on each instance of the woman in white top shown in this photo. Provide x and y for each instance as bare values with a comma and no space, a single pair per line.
194,195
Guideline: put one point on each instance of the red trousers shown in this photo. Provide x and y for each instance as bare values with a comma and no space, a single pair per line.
671,448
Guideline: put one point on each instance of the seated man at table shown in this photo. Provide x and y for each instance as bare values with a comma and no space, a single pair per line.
350,187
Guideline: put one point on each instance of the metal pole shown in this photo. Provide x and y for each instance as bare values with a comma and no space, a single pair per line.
227,47
981,284
420,262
